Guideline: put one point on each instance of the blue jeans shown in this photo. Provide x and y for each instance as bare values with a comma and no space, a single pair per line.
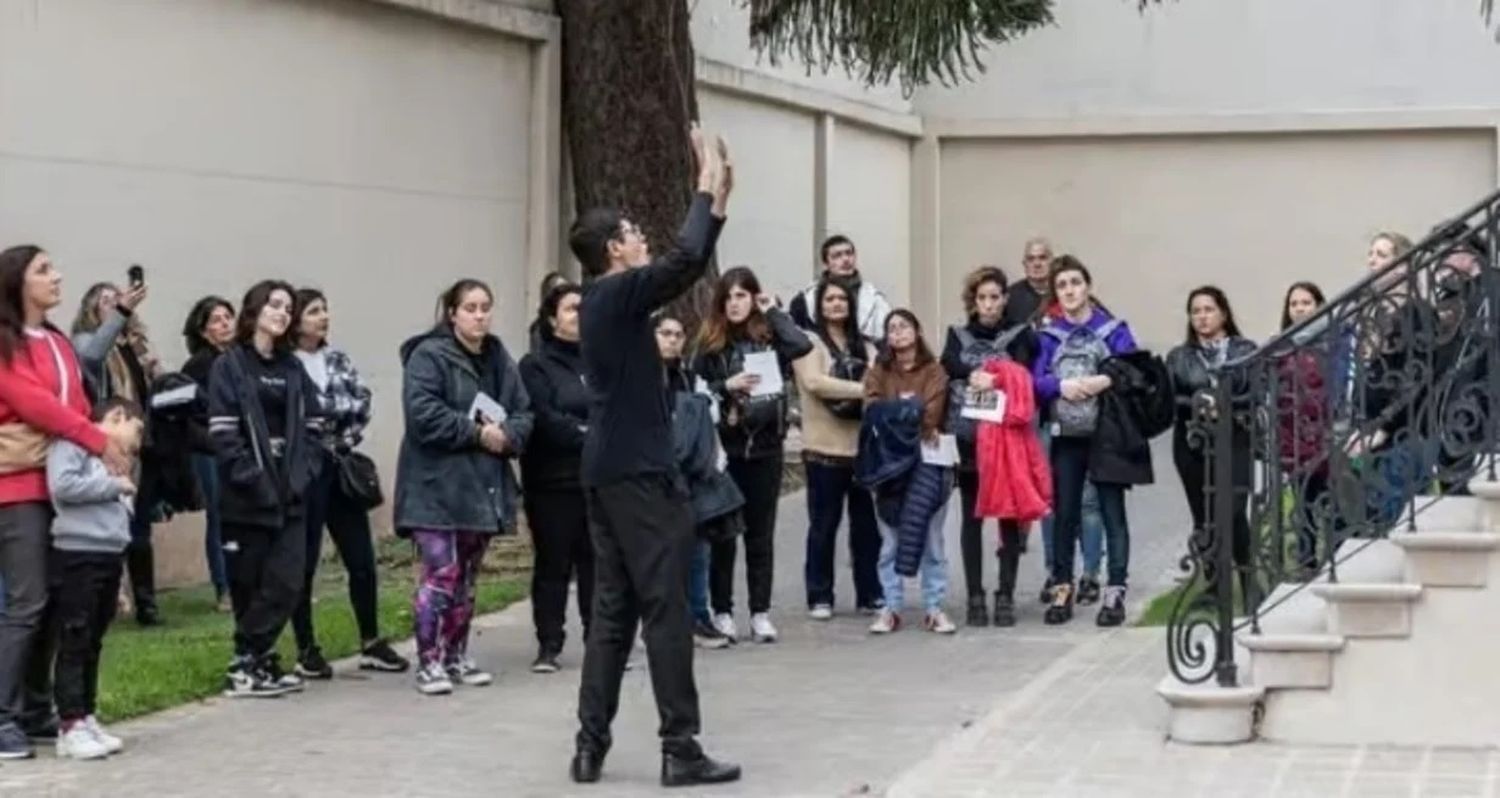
933,571
1090,536
1070,462
698,584
213,547
829,488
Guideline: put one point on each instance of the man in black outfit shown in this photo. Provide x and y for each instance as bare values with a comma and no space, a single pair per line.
639,517
1032,289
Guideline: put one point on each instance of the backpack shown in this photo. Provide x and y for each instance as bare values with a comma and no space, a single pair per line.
1079,354
973,352
851,367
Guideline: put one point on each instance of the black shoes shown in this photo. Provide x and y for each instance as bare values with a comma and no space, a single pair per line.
312,665
587,767
379,656
1088,591
1005,609
546,662
1060,611
1046,597
1112,613
978,615
677,771
147,616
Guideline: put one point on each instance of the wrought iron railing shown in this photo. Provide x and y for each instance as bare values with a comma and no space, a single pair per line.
1339,430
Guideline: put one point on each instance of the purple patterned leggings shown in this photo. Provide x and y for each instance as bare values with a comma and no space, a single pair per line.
444,601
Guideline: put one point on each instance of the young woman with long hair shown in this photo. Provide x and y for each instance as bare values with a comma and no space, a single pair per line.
207,332
41,398
830,387
1072,345
907,370
1304,410
745,322
345,400
984,336
554,498
467,418
118,361
265,419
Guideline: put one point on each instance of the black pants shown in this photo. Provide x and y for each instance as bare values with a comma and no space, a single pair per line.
140,555
1070,469
85,590
830,485
971,541
1191,466
643,535
349,526
559,523
266,572
760,481
25,647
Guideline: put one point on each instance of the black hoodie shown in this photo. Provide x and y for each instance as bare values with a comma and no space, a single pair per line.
553,375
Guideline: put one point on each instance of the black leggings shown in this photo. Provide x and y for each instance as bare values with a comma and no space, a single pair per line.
1191,466
559,523
971,536
349,526
760,481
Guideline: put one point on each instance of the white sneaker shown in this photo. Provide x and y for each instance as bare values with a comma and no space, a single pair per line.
78,742
820,612
886,622
724,622
940,623
111,742
466,672
761,629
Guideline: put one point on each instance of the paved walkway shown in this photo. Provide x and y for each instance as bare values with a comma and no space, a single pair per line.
828,711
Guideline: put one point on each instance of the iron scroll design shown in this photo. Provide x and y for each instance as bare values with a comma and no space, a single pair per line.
1337,432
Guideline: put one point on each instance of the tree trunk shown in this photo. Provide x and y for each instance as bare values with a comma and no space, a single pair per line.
628,99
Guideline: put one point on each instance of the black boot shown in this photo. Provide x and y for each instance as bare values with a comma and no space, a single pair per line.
140,562
587,766
978,614
1060,611
1005,609
1012,544
682,771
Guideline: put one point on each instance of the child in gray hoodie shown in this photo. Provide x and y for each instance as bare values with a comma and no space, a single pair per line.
89,532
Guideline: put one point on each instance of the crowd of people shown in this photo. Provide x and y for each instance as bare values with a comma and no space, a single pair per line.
1039,408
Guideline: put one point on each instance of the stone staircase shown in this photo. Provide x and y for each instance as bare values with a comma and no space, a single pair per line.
1403,649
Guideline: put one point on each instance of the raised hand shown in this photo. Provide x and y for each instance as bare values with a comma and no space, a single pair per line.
726,179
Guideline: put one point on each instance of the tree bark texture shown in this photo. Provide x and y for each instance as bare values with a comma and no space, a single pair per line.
628,99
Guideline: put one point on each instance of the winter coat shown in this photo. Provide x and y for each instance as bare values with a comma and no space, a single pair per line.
753,427
41,397
445,480
198,368
1015,479
908,492
174,483
869,303
959,361
345,401
1194,371
1303,411
696,445
258,488
1137,407
553,376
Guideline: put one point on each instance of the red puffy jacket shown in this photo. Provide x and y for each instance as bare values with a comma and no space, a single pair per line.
1015,482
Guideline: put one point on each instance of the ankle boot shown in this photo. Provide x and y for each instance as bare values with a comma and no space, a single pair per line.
978,614
1010,561
1005,609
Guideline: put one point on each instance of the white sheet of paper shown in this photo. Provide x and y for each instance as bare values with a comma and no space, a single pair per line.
765,365
180,395
984,405
943,453
487,407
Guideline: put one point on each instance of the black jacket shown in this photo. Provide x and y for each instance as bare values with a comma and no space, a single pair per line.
753,427
444,479
198,368
174,483
258,488
1137,407
959,365
553,376
1189,367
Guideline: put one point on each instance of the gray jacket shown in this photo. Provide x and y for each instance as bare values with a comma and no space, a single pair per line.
92,514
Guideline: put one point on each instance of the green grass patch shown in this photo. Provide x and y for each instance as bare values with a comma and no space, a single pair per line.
1159,610
146,670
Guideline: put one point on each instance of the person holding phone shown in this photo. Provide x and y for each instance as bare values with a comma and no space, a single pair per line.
467,417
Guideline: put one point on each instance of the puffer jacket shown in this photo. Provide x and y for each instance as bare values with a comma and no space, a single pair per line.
753,427
445,479
908,492
713,494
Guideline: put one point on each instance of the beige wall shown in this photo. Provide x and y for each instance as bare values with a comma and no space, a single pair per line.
375,153
869,201
1156,216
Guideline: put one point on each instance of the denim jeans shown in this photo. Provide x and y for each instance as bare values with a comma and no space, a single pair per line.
1090,537
933,571
213,546
698,584
1070,461
829,488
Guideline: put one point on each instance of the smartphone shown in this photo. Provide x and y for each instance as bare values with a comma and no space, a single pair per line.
137,275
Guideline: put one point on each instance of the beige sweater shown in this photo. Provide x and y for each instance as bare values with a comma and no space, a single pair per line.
823,433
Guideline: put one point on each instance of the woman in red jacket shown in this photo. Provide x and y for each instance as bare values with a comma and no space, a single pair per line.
41,397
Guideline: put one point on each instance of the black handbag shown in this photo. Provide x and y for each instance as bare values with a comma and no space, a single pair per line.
851,367
359,480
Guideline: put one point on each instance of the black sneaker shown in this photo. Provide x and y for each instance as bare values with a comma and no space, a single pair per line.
979,615
245,680
379,656
1112,611
546,662
707,636
312,665
1088,591
147,616
13,743
1060,611
270,668
1046,597
1005,610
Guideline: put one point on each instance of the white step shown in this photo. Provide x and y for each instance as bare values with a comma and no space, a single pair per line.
1207,714
1291,660
1448,559
1369,610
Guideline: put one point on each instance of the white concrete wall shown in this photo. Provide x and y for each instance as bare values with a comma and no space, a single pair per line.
1104,59
869,201
369,151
